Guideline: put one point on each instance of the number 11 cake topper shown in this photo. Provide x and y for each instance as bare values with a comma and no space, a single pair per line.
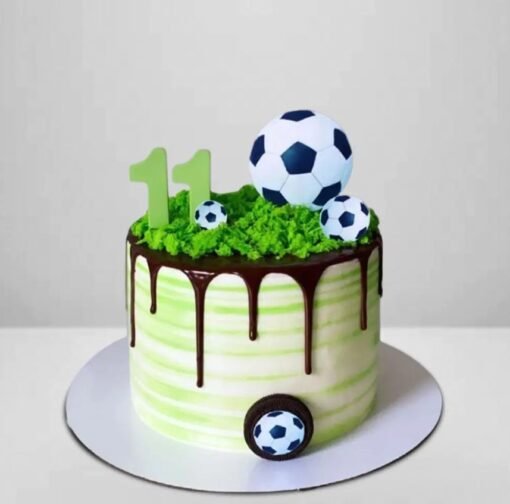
196,173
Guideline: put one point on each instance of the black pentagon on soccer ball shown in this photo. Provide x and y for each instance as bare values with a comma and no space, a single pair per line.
275,197
342,144
298,423
222,210
208,203
258,150
210,217
324,217
364,208
297,115
346,219
361,232
299,158
342,197
278,431
274,414
293,445
197,214
257,430
269,450
327,193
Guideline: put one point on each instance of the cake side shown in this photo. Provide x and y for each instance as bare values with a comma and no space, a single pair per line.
237,371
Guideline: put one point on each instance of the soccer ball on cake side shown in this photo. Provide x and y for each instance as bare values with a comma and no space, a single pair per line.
301,158
345,218
278,427
210,214
279,433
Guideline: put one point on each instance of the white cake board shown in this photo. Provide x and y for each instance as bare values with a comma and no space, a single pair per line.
99,413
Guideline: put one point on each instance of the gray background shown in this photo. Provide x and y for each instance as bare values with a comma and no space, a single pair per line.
87,88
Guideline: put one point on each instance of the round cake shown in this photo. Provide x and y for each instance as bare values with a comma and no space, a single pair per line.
254,317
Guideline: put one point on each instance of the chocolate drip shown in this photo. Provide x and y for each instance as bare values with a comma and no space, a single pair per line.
202,271
153,275
379,243
363,264
308,281
200,280
252,280
134,252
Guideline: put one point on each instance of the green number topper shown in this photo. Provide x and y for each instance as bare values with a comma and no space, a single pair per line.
153,171
196,174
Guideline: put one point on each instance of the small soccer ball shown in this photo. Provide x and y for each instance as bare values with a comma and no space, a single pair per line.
301,158
279,433
210,214
345,218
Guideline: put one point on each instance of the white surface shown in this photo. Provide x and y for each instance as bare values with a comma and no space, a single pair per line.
99,412
89,87
466,459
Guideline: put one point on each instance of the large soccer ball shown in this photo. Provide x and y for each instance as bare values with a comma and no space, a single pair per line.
301,158
279,433
210,214
345,218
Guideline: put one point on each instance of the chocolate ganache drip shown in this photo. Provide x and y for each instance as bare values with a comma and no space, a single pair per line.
201,272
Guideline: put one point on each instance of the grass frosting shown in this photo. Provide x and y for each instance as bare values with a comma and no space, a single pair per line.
256,228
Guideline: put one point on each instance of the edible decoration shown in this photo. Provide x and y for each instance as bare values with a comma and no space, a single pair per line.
196,173
153,172
278,427
201,272
345,218
256,229
301,158
210,214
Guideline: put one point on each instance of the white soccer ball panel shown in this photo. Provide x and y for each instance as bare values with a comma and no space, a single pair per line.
256,182
353,205
316,131
329,166
332,228
279,135
301,189
346,173
334,208
269,172
348,234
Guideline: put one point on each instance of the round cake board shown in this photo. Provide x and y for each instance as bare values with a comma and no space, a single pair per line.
99,412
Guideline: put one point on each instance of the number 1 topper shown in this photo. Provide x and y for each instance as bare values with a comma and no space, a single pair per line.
196,173
153,172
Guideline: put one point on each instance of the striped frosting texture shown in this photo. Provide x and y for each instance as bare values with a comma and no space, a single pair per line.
340,392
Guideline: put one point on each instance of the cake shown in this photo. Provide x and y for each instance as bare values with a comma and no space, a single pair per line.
254,316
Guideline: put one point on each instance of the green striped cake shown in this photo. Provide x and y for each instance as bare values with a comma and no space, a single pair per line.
196,384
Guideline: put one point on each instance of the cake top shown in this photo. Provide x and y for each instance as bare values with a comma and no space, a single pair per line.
300,163
256,228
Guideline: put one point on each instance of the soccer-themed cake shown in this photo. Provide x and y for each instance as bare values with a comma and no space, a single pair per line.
254,315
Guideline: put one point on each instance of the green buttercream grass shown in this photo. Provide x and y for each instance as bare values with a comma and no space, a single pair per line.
256,228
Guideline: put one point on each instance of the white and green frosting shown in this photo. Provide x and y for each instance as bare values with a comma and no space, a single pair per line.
340,392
